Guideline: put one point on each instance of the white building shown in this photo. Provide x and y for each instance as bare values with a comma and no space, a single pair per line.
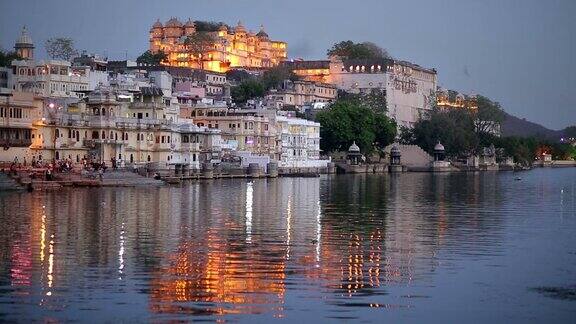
299,142
409,87
50,78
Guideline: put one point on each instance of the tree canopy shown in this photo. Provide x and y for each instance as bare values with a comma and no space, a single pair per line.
237,75
208,26
60,48
273,77
246,90
7,57
488,114
350,50
348,120
200,43
251,87
151,59
454,128
464,132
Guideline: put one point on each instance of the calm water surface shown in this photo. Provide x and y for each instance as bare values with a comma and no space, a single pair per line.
412,247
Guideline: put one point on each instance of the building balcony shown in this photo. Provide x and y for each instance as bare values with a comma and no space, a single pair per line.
92,143
147,105
11,142
192,147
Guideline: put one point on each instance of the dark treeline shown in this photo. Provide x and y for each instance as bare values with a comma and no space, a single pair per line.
465,132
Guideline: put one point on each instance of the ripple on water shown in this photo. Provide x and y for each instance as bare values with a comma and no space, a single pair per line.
363,248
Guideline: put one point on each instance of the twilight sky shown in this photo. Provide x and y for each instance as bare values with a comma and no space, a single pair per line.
521,53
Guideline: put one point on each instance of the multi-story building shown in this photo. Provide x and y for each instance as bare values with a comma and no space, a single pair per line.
232,47
134,131
17,112
215,84
301,93
449,99
48,78
299,142
241,130
409,88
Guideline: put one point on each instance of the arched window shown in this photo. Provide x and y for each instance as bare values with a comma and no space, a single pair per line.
95,134
57,133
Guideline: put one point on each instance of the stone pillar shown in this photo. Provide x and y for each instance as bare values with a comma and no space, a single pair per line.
207,170
331,167
272,169
254,170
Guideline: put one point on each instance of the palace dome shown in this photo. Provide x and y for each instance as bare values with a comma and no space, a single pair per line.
24,38
439,147
157,24
262,33
173,22
240,28
354,147
189,23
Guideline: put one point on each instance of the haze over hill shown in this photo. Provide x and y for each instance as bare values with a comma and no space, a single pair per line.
514,126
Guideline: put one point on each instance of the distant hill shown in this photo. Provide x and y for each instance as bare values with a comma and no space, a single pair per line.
514,126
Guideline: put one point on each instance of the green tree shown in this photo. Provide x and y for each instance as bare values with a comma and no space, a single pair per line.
455,129
488,115
523,150
7,57
246,90
208,26
273,77
152,59
350,50
60,48
199,44
237,75
347,120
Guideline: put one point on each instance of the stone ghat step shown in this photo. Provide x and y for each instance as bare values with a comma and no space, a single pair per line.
130,182
45,185
7,183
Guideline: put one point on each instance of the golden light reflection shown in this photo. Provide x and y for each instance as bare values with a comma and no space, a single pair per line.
288,226
121,253
50,275
249,201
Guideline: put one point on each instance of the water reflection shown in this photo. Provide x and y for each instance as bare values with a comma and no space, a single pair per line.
218,249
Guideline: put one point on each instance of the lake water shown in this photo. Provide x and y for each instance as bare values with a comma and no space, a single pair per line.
417,247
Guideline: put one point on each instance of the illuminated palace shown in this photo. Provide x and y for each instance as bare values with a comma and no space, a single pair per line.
232,47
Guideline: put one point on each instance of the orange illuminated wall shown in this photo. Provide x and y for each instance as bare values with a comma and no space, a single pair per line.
234,47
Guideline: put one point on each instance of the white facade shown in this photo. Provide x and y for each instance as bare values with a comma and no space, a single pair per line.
410,92
300,142
409,88
50,78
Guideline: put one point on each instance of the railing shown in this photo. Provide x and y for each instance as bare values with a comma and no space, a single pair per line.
147,105
11,142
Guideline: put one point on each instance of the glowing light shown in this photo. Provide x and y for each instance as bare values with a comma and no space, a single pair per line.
288,227
318,231
121,252
249,200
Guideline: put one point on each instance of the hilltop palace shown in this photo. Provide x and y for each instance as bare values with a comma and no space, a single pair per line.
234,47
179,114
